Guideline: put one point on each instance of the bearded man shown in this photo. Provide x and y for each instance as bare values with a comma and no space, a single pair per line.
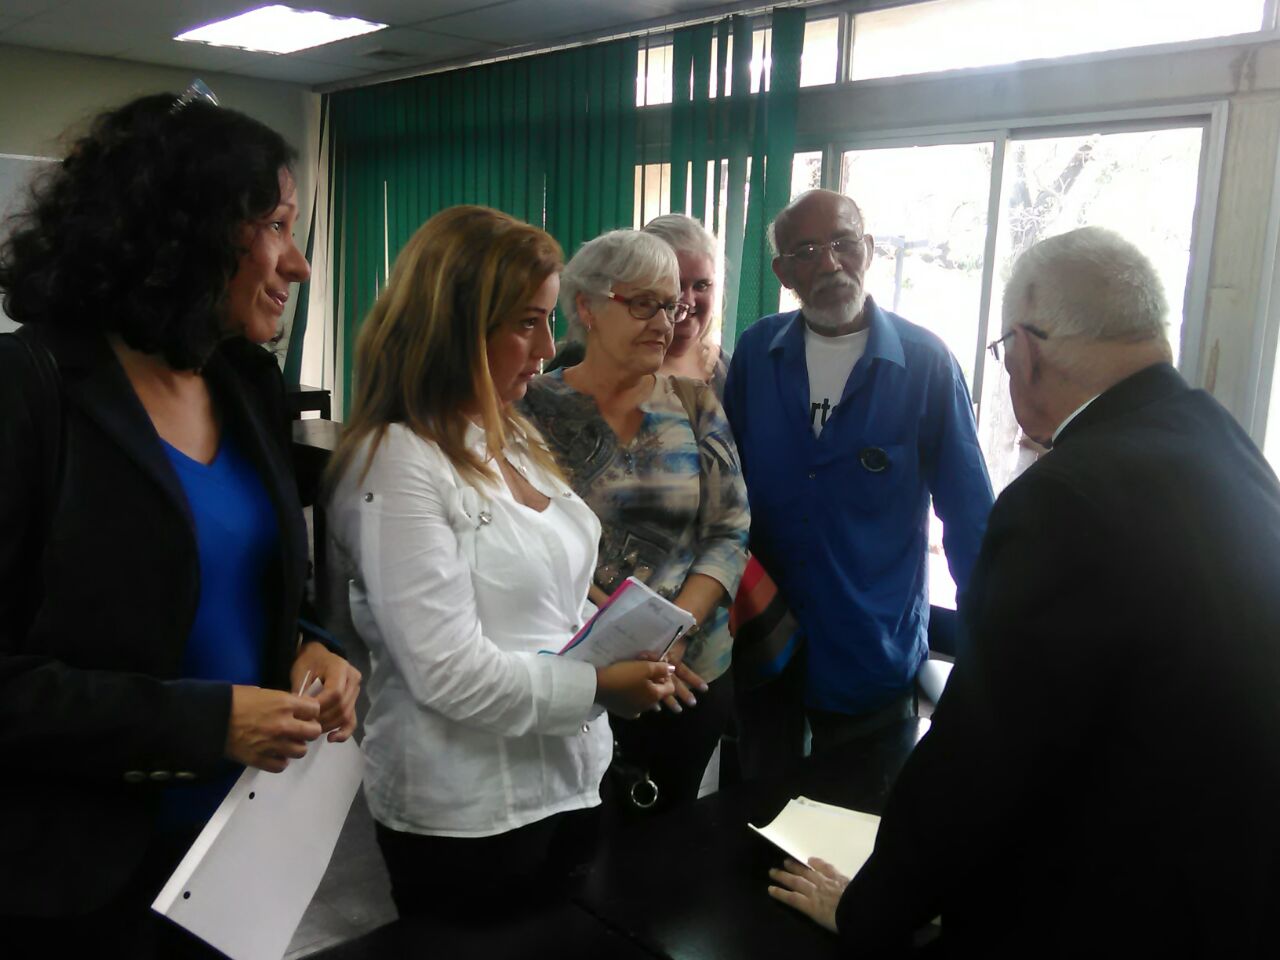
848,420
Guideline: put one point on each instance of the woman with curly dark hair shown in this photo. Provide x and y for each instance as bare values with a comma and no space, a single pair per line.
152,547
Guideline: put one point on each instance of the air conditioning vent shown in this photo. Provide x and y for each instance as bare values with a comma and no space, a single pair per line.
388,56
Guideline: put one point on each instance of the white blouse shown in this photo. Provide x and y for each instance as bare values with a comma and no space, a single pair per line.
456,588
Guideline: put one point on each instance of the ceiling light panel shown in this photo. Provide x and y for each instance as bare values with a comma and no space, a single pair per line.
279,29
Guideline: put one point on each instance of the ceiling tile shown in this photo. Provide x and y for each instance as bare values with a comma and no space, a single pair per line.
21,9
107,29
421,47
70,37
397,13
429,31
521,22
189,56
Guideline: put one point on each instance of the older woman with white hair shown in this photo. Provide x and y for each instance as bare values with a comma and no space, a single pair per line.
691,353
653,456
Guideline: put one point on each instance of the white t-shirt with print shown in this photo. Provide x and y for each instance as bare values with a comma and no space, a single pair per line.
830,361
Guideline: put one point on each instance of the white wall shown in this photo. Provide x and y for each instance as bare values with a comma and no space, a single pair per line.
47,98
15,173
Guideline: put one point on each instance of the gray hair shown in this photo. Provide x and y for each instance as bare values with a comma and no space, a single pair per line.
785,213
683,234
619,256
1090,285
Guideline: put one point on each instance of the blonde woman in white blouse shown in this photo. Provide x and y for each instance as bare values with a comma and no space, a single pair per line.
466,555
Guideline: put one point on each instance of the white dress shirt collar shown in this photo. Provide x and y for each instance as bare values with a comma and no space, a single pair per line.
1075,413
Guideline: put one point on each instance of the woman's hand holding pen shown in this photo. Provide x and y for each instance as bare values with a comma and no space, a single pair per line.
684,679
630,687
699,597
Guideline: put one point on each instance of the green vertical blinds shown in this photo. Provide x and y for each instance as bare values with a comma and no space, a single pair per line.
549,139
752,134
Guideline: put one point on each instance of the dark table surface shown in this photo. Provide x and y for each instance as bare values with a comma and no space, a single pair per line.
565,932
690,885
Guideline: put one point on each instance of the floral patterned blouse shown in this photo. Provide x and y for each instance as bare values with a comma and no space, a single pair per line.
671,502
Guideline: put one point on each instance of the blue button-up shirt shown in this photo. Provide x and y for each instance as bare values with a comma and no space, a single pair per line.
841,520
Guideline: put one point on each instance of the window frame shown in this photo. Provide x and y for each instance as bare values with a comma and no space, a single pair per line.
1211,116
1269,30
831,135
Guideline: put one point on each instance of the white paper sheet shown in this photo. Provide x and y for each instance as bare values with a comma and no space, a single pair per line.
635,620
806,828
246,881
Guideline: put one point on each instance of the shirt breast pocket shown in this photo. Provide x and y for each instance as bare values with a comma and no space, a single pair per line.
872,476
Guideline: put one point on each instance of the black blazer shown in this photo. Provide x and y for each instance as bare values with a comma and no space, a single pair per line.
99,582
1103,772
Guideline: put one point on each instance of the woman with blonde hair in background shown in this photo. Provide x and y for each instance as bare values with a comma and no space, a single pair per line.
466,555
653,456
691,354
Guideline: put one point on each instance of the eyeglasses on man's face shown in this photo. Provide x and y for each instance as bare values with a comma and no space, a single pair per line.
644,306
997,346
841,247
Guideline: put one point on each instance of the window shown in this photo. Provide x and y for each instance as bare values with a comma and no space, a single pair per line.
819,62
655,68
953,34
806,174
926,206
820,59
1271,445
1142,184
653,192
760,68
653,198
927,209
653,74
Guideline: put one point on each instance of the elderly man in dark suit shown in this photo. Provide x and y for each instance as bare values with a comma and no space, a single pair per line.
1103,772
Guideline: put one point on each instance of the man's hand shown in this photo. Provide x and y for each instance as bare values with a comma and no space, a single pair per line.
341,687
814,890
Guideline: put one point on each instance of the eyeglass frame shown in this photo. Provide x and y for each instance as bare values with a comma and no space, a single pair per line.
819,248
670,309
994,346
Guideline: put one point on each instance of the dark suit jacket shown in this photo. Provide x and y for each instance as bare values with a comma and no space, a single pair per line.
1103,772
96,603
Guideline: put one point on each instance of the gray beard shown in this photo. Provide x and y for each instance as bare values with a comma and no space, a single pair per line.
830,321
